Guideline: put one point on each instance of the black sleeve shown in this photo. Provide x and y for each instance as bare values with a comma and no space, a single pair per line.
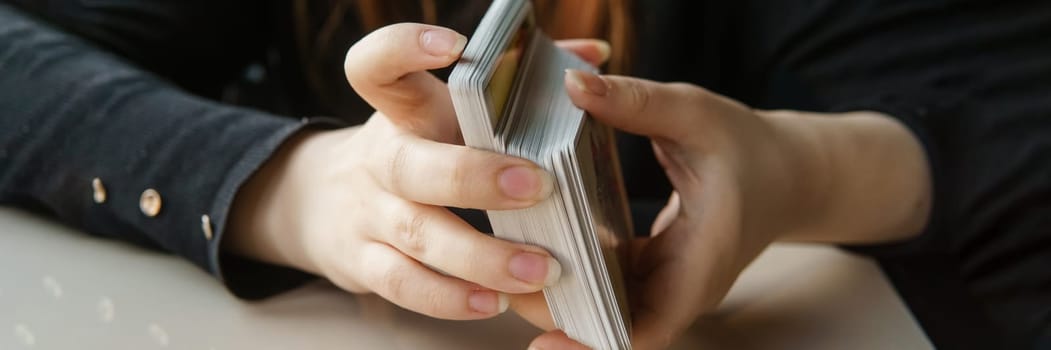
71,113
972,81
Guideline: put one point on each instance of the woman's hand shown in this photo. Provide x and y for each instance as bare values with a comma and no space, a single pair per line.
742,180
364,207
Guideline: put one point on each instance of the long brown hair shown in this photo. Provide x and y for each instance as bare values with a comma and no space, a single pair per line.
315,35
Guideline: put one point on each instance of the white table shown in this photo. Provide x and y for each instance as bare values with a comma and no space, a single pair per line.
61,289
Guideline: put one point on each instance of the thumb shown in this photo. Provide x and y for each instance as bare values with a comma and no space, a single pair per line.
556,340
389,67
634,105
593,51
533,308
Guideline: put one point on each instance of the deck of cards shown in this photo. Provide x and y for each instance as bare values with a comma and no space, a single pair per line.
509,94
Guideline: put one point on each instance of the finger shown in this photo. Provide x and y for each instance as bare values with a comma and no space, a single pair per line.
388,68
555,340
438,238
662,301
593,51
635,105
533,308
655,319
436,173
405,282
666,216
688,269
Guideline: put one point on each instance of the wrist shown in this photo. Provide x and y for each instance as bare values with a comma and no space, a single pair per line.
264,220
794,176
855,178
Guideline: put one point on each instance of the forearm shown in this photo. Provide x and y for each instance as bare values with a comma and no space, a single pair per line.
861,177
73,113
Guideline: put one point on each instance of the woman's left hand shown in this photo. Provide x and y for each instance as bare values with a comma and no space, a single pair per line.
716,152
743,179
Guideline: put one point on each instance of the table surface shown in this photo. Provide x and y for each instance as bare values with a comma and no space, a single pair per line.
62,289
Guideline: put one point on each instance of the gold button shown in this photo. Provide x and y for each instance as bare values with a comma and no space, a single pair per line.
206,226
98,191
150,203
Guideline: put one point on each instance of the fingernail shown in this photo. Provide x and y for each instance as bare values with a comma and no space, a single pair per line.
554,272
504,302
535,268
442,42
587,82
604,49
525,183
488,302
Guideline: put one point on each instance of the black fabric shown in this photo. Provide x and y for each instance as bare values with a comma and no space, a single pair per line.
127,91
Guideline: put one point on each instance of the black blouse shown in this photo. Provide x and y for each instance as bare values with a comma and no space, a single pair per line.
188,98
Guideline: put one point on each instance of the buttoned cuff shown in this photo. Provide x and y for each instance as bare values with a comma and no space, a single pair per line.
244,277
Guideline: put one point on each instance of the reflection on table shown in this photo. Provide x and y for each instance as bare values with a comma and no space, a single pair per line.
65,290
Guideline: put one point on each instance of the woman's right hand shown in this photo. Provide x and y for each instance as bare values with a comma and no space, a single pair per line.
364,206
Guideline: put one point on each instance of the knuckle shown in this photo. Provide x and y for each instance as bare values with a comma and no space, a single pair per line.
351,66
363,57
342,274
411,233
639,95
360,59
395,172
393,282
478,269
436,301
461,182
